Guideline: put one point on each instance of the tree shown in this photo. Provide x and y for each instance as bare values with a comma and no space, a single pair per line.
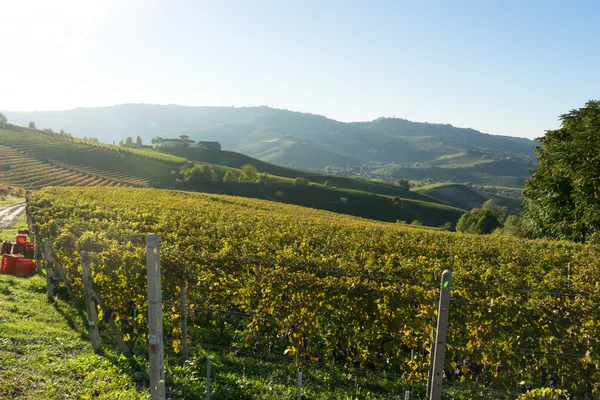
562,196
128,141
121,143
157,141
230,177
3,119
200,174
404,183
500,212
478,221
263,178
249,173
32,124
517,226
138,141
301,182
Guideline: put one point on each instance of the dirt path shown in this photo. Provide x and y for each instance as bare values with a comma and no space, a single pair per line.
8,215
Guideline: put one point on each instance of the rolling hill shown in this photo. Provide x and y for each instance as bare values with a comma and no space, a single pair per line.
33,159
305,141
466,197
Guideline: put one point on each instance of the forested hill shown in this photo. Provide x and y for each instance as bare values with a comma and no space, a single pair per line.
283,137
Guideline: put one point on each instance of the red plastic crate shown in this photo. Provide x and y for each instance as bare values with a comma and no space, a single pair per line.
24,266
21,238
9,263
6,247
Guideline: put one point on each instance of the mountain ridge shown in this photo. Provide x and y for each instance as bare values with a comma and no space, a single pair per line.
290,138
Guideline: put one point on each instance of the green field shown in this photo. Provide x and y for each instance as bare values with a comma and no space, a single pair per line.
366,287
44,353
466,197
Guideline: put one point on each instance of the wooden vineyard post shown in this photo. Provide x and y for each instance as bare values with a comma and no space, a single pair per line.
49,278
430,369
155,328
38,252
432,347
208,378
440,339
299,389
89,303
111,322
62,274
184,339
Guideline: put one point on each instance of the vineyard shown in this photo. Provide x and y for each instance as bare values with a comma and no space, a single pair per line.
34,159
30,173
318,288
69,162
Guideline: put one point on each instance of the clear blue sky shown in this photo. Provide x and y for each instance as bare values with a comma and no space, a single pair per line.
505,67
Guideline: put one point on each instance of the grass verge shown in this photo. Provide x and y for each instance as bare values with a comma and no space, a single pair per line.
44,353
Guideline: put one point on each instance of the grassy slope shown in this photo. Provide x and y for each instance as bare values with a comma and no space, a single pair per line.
132,167
60,161
476,260
480,174
44,352
466,197
9,201
361,204
237,160
462,159
43,348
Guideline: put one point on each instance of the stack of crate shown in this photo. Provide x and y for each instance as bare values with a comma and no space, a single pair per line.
17,258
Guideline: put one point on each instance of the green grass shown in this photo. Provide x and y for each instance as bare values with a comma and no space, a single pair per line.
11,232
463,159
425,188
44,353
466,197
6,201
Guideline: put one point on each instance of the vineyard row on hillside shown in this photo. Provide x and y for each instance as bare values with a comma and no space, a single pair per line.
323,287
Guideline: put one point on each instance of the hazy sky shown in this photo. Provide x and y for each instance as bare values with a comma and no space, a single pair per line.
506,67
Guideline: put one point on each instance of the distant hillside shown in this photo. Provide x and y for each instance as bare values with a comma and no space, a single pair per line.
237,160
32,159
466,197
301,140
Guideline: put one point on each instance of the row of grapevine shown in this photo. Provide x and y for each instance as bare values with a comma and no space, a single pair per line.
22,170
135,168
325,288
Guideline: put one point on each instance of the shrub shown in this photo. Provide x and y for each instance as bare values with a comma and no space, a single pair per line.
249,173
478,221
200,174
301,182
231,177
